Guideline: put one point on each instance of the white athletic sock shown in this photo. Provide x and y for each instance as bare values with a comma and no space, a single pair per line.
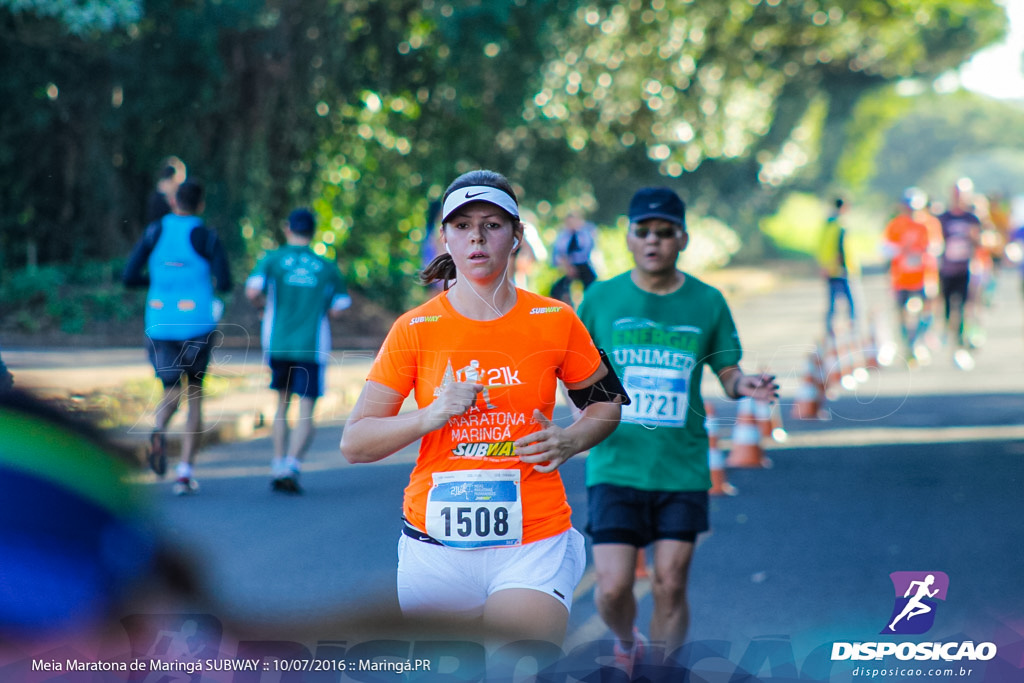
277,468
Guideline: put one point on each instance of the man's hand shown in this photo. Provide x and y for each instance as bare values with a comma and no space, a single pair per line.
758,387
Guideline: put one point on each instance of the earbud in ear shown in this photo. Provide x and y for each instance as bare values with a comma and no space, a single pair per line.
447,248
515,242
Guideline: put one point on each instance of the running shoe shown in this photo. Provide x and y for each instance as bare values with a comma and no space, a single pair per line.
626,660
922,354
975,337
963,359
157,456
185,486
287,484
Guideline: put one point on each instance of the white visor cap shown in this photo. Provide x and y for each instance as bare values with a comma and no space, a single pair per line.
479,193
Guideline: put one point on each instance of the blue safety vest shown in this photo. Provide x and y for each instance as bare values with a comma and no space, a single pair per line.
180,301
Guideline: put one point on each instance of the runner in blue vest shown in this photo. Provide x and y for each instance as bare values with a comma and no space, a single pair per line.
181,261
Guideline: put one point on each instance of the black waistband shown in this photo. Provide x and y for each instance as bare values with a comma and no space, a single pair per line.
413,532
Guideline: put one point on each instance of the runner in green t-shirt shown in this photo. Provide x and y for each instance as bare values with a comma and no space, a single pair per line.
299,289
648,481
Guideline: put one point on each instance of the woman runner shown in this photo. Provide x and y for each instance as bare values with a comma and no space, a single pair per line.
487,541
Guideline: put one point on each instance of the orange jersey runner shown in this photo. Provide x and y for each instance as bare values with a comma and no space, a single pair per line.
913,266
468,488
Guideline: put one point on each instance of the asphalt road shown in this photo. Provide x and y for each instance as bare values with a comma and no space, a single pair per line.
918,469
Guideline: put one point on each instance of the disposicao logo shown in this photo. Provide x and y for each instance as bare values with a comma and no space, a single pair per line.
913,613
917,596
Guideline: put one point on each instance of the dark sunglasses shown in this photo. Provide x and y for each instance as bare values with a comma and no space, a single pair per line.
641,232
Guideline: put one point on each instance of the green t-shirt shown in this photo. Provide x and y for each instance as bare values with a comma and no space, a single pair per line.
301,288
659,344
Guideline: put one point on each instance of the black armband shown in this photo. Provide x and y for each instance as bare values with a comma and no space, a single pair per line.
605,390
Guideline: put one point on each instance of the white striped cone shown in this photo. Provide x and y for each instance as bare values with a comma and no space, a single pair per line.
716,458
833,373
810,396
846,363
769,421
870,348
746,438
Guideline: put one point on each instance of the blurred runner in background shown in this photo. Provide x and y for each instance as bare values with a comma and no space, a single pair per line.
181,261
913,270
961,236
571,255
838,265
160,202
298,290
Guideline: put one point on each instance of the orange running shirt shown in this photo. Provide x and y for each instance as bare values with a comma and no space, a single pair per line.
518,359
912,264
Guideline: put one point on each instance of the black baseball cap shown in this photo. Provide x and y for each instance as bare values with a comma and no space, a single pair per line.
300,221
657,202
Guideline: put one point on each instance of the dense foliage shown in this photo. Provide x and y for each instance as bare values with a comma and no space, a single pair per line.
940,138
365,109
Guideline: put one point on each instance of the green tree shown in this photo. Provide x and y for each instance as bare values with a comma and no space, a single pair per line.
733,101
365,109
938,134
77,17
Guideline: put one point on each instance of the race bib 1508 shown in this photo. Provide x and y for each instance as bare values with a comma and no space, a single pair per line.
476,508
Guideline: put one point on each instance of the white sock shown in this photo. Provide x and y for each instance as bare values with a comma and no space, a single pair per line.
184,470
292,464
277,468
636,642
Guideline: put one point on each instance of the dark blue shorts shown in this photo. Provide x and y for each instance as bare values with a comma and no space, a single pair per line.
903,296
620,514
174,359
296,377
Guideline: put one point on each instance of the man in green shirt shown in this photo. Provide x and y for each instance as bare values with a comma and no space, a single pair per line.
299,290
648,481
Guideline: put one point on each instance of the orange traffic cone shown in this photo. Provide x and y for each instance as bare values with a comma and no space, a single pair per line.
818,369
716,458
871,350
769,421
746,448
641,565
810,397
851,361
833,371
845,354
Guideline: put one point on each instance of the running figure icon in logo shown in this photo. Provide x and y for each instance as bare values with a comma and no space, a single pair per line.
919,591
500,377
472,373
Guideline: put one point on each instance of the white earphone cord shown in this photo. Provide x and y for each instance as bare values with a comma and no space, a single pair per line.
492,305
504,278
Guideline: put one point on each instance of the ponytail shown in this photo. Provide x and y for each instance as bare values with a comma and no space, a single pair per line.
441,269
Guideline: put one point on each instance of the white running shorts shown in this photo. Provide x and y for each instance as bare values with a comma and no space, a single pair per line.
436,580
